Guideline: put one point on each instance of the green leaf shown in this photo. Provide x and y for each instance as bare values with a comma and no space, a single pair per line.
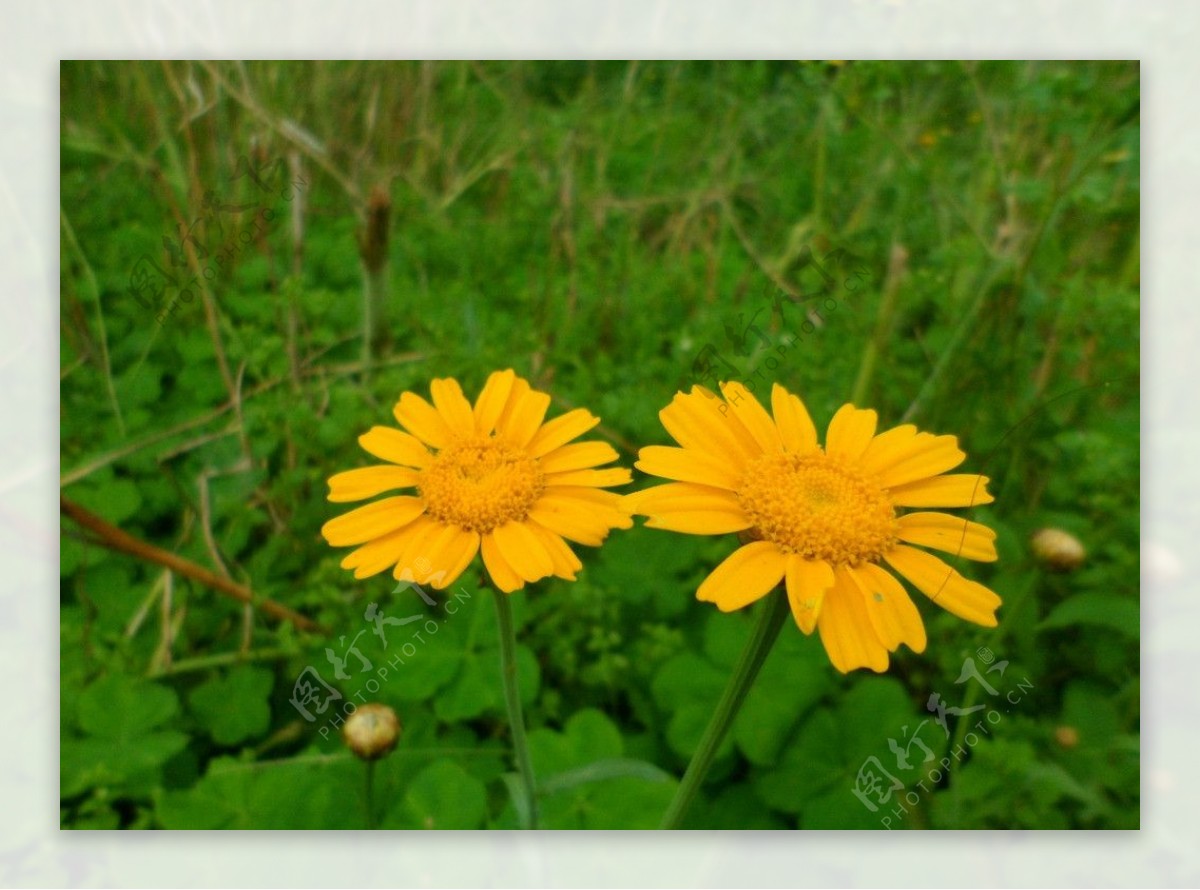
1121,613
235,707
444,796
121,708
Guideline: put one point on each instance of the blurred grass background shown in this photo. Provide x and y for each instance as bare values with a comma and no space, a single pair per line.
608,229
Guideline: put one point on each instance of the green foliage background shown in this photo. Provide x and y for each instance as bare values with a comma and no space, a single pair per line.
595,226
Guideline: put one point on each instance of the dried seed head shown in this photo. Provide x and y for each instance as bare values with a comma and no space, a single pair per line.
1057,549
372,731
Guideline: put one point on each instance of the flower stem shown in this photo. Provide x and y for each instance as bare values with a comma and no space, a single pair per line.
512,699
369,793
770,620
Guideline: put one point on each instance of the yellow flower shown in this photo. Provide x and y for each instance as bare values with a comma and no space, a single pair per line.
492,477
824,520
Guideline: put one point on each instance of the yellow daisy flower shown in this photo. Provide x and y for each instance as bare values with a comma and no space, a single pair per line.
492,477
825,521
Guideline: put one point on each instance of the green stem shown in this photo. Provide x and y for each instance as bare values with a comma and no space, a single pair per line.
512,699
770,620
369,794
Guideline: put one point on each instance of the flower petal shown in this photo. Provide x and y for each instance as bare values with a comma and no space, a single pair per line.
796,429
523,550
685,465
566,563
583,515
846,629
450,552
414,563
372,521
807,581
959,490
689,508
891,610
968,600
579,456
888,448
366,482
450,402
561,430
697,422
752,416
926,456
381,553
388,443
850,431
422,420
493,398
523,414
503,575
951,534
590,478
748,574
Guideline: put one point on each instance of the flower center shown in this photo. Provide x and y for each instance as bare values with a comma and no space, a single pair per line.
479,484
819,507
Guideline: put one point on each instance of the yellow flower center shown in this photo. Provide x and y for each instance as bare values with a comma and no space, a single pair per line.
818,506
480,484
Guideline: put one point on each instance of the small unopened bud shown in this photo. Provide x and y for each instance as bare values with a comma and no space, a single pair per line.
1066,736
372,731
1057,549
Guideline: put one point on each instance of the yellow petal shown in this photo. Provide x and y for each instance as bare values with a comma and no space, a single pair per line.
687,466
927,456
950,534
566,563
523,414
413,564
689,508
590,478
850,431
807,581
372,521
450,402
375,556
503,575
748,574
959,490
893,615
523,550
796,429
752,416
579,456
390,444
366,482
450,552
888,448
422,420
583,515
968,600
697,422
561,430
492,400
846,629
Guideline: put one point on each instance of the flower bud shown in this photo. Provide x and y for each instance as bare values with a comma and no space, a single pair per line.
1057,549
372,731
